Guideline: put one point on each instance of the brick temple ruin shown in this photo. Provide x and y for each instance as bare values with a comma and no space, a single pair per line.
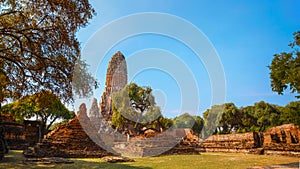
90,136
70,140
19,135
116,79
83,136
279,140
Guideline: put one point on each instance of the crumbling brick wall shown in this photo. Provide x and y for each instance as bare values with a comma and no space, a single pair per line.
281,140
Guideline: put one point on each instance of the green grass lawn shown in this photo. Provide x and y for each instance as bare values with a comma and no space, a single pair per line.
206,160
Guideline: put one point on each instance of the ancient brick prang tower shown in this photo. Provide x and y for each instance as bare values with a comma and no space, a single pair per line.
116,79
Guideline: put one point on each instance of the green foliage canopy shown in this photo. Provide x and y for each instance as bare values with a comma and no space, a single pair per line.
44,105
136,105
290,113
285,69
267,115
227,118
38,46
185,120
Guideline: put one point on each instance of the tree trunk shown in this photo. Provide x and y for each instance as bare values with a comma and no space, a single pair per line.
137,121
51,123
0,112
43,131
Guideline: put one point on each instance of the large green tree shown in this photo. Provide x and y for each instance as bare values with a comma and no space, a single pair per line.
39,48
212,118
285,69
259,117
44,106
224,118
249,122
267,115
185,120
134,102
135,105
290,113
231,119
198,126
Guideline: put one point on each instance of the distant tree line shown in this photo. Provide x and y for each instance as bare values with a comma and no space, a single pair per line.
259,117
228,118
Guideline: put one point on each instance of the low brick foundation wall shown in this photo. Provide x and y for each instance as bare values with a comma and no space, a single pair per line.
279,140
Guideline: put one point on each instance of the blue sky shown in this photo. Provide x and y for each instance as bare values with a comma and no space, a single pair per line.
245,34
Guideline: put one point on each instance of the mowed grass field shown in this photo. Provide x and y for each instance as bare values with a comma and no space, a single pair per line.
205,160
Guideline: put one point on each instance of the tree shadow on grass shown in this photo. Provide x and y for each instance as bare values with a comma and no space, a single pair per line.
15,160
76,165
12,160
291,165
287,165
106,165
